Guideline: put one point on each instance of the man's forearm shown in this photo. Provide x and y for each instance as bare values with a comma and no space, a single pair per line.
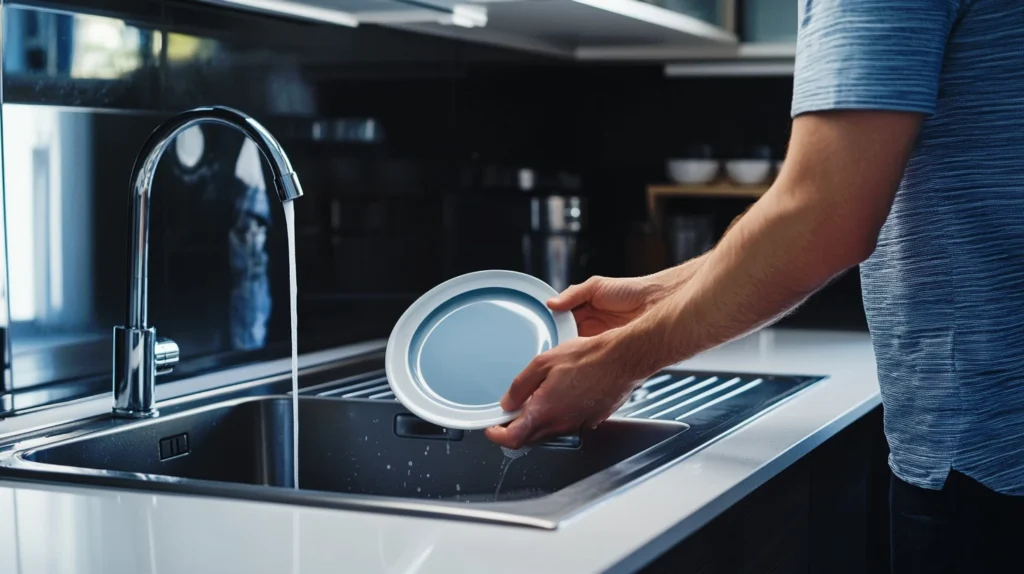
679,275
783,250
821,217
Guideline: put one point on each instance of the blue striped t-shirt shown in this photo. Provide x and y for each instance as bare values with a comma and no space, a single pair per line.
944,291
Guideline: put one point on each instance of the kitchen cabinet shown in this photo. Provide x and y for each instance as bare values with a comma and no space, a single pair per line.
767,31
826,513
696,37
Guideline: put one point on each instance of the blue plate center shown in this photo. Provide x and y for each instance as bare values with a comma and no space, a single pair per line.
469,349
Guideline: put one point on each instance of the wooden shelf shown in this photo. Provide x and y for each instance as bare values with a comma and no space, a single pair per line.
724,189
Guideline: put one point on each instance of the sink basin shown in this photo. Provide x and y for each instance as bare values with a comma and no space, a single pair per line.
355,453
360,449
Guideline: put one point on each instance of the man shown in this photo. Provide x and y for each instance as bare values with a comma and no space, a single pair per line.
906,156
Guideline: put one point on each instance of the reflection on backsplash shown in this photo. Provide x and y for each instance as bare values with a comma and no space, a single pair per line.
75,60
48,192
75,46
80,60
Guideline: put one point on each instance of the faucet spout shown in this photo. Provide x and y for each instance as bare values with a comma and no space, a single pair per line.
138,355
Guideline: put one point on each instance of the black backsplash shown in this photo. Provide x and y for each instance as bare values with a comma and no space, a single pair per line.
375,223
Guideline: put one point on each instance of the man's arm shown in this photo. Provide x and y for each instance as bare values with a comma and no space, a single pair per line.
821,217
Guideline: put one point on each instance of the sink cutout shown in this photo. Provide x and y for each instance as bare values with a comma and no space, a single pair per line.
369,454
348,446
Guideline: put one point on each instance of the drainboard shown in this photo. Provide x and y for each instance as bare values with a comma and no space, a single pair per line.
360,449
672,395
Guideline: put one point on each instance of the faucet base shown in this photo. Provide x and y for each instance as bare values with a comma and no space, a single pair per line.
134,370
129,414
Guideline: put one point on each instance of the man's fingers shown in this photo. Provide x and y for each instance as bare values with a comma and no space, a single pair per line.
525,383
574,296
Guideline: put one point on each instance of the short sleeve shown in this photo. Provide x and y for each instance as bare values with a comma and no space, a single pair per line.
871,54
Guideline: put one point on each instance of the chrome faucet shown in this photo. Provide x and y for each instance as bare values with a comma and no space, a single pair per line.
138,355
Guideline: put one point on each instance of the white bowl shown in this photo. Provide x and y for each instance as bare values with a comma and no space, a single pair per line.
693,171
748,171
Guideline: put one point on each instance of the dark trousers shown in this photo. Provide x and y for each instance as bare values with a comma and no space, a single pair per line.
965,527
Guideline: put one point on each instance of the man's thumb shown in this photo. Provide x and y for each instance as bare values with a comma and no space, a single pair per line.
574,296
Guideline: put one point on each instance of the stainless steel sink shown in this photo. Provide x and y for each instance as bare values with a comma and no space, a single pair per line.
371,454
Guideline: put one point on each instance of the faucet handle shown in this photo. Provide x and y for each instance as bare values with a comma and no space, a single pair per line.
165,355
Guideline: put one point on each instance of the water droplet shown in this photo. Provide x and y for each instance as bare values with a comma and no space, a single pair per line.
403,484
410,463
389,467
366,438
458,488
428,475
418,489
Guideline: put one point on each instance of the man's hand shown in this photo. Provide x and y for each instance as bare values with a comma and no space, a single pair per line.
600,304
579,383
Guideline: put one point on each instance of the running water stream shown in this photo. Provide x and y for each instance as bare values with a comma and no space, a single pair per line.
289,218
510,457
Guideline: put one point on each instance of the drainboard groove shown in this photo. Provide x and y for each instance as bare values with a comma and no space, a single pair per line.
671,388
702,396
354,386
675,396
643,396
365,392
656,381
724,397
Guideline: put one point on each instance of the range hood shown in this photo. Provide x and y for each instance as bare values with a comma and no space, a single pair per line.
578,29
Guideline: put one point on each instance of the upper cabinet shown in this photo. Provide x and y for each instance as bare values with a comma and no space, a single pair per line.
649,30
599,29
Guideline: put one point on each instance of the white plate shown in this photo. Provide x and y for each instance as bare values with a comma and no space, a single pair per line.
454,352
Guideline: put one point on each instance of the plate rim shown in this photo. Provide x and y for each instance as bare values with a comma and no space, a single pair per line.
396,367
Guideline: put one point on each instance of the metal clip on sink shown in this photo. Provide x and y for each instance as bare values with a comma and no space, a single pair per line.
138,355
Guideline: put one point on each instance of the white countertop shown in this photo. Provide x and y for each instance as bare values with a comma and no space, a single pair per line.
59,529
